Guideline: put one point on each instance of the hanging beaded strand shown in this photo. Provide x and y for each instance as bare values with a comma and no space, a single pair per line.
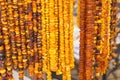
28,14
15,51
89,38
52,29
12,32
34,14
5,30
66,26
106,36
56,29
43,36
82,40
19,43
98,36
61,62
113,28
39,40
100,39
71,28
17,31
46,67
26,27
31,39
23,35
2,50
47,22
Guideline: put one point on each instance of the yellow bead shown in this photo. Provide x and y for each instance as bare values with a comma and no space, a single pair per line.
2,71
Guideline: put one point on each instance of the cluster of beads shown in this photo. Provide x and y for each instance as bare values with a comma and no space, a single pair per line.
57,25
97,22
86,38
37,36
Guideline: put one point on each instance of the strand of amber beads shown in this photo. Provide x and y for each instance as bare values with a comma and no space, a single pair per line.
47,34
47,22
46,67
20,54
89,38
52,29
26,12
12,31
82,40
56,29
31,39
71,35
44,36
2,52
34,14
106,37
2,57
48,26
102,32
18,40
15,20
5,30
39,40
98,36
26,22
66,26
61,60
113,26
23,35
66,19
